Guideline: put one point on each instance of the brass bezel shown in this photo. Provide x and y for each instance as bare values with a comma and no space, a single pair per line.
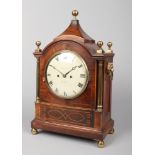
84,63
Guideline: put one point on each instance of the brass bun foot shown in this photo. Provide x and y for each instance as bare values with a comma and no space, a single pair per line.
100,144
34,131
111,131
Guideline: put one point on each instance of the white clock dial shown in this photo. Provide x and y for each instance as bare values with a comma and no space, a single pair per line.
67,74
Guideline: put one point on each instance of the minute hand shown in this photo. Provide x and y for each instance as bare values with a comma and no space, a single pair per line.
57,70
73,68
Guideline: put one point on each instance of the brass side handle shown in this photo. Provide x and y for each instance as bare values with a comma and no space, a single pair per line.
110,70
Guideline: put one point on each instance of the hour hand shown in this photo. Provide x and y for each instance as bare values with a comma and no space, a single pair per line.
57,70
73,68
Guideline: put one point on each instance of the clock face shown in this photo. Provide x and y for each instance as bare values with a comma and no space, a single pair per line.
67,74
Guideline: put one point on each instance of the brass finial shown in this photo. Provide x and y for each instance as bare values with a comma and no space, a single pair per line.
38,43
75,14
100,44
109,44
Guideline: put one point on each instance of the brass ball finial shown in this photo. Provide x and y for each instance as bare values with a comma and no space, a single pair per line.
75,13
38,43
100,44
109,44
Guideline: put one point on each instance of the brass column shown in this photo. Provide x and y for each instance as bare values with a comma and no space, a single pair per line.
37,54
37,81
100,86
100,78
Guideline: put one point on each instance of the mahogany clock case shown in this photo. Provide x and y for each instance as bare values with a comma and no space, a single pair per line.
88,115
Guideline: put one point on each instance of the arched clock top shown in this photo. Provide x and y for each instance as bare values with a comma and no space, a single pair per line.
75,29
75,34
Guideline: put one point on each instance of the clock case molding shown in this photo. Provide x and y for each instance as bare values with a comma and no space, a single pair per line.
88,115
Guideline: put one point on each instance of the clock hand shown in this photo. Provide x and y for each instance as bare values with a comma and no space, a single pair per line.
57,70
73,68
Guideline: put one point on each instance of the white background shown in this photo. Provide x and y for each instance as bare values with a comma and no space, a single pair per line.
143,84
107,20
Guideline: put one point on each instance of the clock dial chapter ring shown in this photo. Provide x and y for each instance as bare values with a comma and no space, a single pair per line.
66,74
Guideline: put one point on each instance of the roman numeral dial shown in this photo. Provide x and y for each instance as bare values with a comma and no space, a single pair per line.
80,85
67,74
82,75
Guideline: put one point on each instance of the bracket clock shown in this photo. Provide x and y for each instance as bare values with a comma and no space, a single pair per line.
74,85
